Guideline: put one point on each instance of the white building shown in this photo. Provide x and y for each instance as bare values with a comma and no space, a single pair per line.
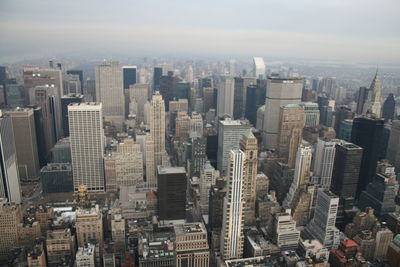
85,256
87,145
259,69
232,236
225,98
285,235
373,102
110,91
322,226
280,92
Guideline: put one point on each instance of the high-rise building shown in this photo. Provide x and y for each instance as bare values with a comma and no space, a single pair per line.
191,245
361,98
198,156
259,68
383,237
129,76
285,234
208,177
345,130
138,94
80,75
240,96
252,103
89,226
10,218
393,149
87,145
226,91
229,134
290,133
324,161
151,176
280,92
367,133
322,226
14,95
342,113
232,236
118,232
249,146
171,193
23,123
208,99
57,178
372,104
157,127
156,78
3,75
65,101
311,114
90,93
72,84
389,108
110,91
345,173
9,182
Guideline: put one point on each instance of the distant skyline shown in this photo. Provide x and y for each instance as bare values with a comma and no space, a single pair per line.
350,31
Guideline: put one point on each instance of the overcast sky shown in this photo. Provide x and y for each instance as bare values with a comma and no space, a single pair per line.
350,30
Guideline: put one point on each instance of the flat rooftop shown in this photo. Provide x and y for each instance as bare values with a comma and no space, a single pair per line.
190,228
170,170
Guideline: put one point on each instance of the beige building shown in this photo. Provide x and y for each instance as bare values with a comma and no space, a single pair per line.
60,247
10,218
23,123
89,226
37,256
179,105
208,98
151,178
191,245
208,177
290,132
86,256
28,232
182,125
118,232
138,96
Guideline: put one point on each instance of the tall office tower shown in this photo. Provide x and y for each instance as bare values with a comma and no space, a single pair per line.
3,75
380,194
259,68
129,76
249,146
324,160
157,73
32,79
226,91
361,98
87,145
182,123
40,135
157,127
14,95
393,150
346,170
285,234
208,98
367,133
60,246
383,237
342,113
327,85
301,173
240,94
90,92
229,134
23,123
311,114
110,91
80,75
196,125
290,132
191,245
139,94
151,176
389,108
198,157
232,236
345,130
72,84
89,226
252,104
42,95
171,193
322,226
10,218
372,104
9,177
280,92
65,101
208,177
168,87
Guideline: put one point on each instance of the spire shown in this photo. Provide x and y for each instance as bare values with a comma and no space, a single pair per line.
376,82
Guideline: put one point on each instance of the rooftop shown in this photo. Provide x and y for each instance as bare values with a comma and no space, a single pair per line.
170,170
189,228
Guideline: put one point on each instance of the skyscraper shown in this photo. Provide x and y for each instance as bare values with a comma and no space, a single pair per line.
65,101
361,98
232,237
311,114
138,94
208,176
14,95
110,91
393,150
280,92
389,108
87,145
156,78
259,69
240,94
367,133
157,127
226,91
249,146
80,74
9,177
129,76
373,102
324,160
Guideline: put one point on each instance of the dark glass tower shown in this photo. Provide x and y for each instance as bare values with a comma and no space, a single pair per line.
80,74
129,76
156,78
251,104
367,133
388,108
362,96
65,101
3,75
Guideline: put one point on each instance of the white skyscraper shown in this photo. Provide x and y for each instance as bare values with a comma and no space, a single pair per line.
232,221
280,92
323,161
259,69
157,127
373,102
110,91
87,145
322,226
226,90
